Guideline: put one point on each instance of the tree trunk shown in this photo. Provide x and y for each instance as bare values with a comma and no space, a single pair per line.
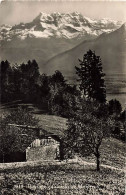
61,150
98,164
3,157
97,154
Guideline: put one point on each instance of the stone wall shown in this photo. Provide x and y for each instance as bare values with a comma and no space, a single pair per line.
47,152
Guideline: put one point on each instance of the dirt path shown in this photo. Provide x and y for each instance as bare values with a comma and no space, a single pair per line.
39,163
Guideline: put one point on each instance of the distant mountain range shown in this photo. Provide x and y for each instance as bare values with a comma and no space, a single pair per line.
58,25
51,34
110,47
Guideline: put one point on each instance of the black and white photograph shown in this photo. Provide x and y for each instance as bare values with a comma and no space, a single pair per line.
62,97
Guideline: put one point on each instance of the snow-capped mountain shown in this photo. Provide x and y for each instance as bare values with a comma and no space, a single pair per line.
58,25
49,35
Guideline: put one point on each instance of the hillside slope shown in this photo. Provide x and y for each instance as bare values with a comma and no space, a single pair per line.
68,178
110,47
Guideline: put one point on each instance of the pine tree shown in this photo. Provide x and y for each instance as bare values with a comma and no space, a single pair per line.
5,77
91,77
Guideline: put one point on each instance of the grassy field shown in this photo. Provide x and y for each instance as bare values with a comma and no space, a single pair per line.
50,123
65,178
61,178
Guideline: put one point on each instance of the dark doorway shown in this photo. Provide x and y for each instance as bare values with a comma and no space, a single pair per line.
13,157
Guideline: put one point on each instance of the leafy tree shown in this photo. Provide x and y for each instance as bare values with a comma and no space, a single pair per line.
114,107
91,77
6,139
71,101
57,86
21,116
86,131
13,138
122,119
63,98
123,116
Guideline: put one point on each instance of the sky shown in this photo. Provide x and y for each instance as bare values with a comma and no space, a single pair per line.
14,12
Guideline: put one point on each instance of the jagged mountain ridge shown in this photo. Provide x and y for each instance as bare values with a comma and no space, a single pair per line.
48,35
58,25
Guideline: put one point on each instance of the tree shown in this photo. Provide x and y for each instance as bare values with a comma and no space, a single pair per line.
86,131
15,139
21,116
91,77
114,107
122,119
63,98
44,91
29,80
5,76
57,86
19,81
57,77
6,139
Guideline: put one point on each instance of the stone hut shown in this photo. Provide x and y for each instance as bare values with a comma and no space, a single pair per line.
45,148
34,144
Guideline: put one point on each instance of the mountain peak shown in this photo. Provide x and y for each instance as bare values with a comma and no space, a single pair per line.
124,26
75,13
122,29
60,25
43,17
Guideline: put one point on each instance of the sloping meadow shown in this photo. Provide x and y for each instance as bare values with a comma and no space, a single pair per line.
81,177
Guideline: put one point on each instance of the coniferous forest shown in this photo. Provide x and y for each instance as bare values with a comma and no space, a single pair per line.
24,82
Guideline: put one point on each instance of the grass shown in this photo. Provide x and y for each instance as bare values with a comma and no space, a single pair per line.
112,153
51,123
67,181
60,178
66,178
